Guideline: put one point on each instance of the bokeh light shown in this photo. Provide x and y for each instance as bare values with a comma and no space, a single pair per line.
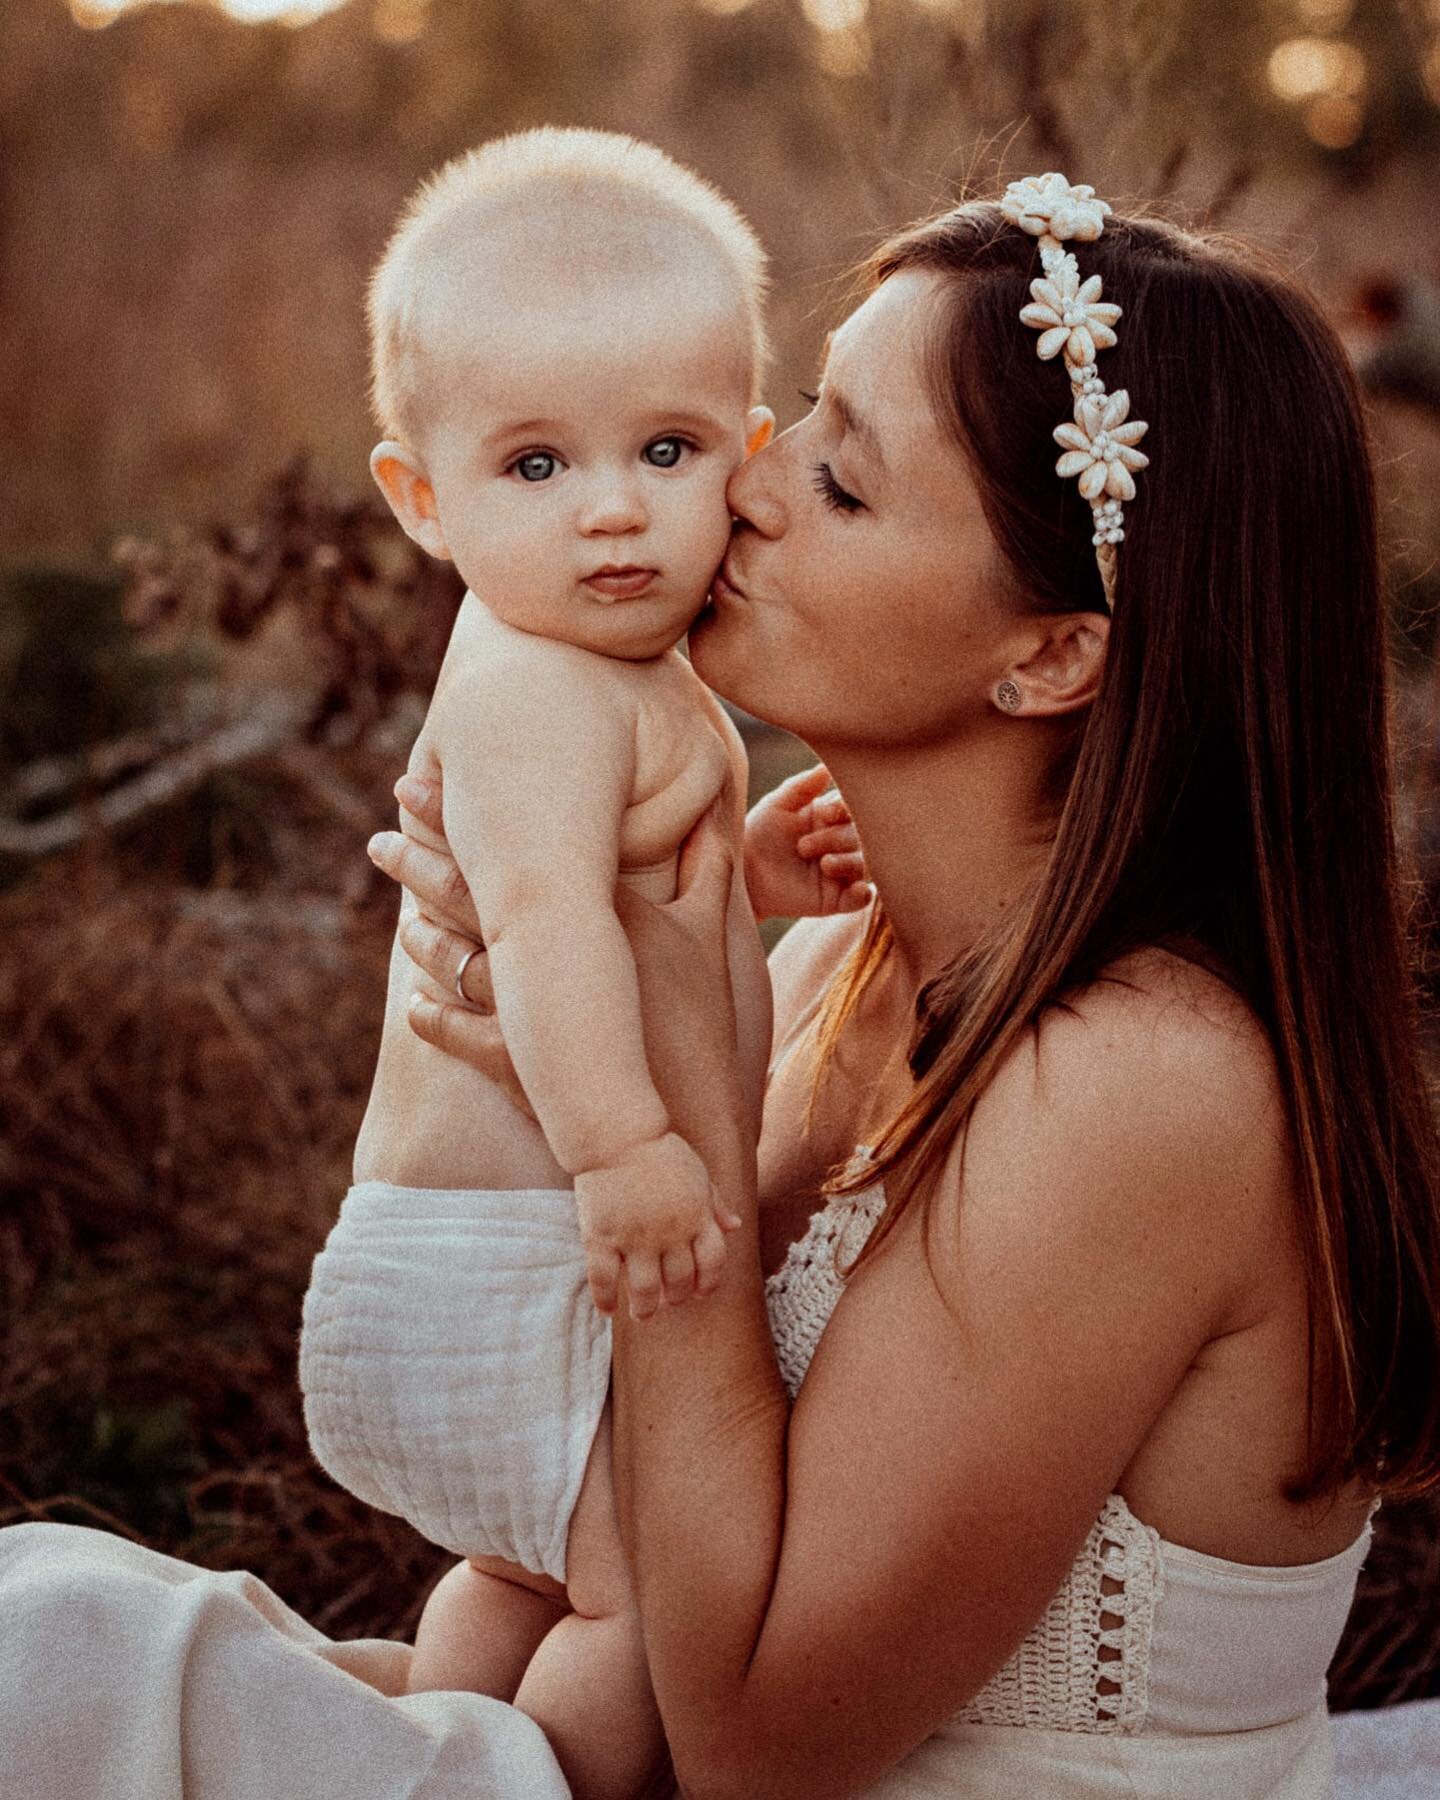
255,12
400,21
1430,71
1334,121
1324,15
1304,67
95,14
835,15
842,46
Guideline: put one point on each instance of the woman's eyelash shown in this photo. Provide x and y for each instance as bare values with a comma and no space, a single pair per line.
826,485
830,489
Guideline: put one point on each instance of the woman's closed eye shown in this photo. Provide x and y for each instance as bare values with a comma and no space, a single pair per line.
835,496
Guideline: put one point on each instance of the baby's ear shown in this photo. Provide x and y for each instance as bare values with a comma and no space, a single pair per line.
759,428
401,478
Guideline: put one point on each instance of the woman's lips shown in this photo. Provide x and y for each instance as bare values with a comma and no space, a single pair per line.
723,588
614,583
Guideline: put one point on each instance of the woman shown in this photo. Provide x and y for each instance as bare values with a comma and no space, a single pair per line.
1074,1493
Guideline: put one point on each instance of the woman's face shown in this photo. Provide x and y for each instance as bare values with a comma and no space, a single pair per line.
858,602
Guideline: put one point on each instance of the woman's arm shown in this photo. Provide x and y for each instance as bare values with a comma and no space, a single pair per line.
821,1589
820,1592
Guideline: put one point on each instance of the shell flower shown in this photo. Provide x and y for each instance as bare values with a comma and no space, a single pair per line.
1070,317
1100,446
1042,204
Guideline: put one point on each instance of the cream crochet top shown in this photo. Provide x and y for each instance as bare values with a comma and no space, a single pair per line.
1234,1645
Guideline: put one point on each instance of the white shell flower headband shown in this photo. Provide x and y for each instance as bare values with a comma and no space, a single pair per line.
1070,317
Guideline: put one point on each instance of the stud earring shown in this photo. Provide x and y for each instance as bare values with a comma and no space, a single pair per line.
1007,695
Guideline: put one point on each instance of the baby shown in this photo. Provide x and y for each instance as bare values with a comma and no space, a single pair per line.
567,337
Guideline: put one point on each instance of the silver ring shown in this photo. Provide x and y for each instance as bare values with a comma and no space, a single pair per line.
465,999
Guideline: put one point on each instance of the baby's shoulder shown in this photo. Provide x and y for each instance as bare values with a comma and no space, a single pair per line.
519,677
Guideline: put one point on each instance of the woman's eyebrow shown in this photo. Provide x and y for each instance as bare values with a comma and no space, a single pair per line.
855,423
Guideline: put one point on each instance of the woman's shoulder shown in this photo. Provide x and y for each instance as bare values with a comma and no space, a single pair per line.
1165,1025
1154,1081
1156,1001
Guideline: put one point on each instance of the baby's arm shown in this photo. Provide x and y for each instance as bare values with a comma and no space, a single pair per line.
538,758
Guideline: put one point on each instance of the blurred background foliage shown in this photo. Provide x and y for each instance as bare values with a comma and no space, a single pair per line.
215,648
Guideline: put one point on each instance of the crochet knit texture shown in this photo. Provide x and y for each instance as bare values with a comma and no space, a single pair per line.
1084,1665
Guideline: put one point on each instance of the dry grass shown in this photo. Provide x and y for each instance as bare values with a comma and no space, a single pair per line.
182,1076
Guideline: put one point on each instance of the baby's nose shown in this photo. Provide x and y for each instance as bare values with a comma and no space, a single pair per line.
614,505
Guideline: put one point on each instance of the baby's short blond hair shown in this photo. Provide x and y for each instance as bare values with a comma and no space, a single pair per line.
576,164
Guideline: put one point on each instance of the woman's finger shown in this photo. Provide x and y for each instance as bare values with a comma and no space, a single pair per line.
424,799
844,868
602,1271
443,955
833,839
474,1038
431,876
829,809
708,1249
677,1274
706,863
799,790
857,896
642,1277
457,1030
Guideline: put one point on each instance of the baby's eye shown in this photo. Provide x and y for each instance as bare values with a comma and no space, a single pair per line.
665,452
538,465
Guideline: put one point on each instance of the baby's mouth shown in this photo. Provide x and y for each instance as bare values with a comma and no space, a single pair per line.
619,581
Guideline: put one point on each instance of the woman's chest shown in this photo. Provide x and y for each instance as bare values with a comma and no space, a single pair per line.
808,1134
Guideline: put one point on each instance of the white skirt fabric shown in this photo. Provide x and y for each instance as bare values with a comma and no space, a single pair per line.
1289,1761
454,1366
128,1675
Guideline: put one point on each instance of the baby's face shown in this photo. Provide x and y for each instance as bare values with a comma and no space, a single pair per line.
581,438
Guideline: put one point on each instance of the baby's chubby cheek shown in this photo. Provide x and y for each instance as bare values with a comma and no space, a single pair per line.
521,580
712,527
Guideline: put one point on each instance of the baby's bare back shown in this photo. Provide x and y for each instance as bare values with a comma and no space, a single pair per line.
433,1121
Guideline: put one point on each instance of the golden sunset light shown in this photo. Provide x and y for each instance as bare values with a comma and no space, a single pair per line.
98,13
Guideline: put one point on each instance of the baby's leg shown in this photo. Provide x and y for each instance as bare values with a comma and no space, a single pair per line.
481,1626
588,1685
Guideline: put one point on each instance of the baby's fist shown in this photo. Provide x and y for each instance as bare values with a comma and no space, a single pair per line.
654,1216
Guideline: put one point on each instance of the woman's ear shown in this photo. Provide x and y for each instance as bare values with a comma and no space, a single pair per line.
401,478
1064,672
759,428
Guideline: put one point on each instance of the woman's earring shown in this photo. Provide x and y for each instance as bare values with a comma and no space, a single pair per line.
1007,695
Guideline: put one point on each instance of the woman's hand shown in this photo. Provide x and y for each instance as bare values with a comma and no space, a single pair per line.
802,852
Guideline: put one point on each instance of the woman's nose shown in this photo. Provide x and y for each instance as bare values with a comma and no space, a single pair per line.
753,490
613,507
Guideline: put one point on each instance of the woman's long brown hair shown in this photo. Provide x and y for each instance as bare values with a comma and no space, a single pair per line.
1228,795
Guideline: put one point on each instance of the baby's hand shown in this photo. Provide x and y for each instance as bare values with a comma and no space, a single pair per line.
655,1216
802,852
